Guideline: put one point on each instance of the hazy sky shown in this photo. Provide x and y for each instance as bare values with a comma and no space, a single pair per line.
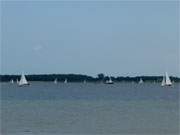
116,38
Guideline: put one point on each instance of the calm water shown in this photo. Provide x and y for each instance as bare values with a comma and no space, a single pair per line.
74,108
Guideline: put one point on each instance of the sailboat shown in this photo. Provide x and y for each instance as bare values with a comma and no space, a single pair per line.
23,80
17,81
12,81
84,81
166,80
163,82
55,81
109,81
141,81
65,81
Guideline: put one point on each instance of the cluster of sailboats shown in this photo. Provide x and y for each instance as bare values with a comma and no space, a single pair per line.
166,81
56,81
23,81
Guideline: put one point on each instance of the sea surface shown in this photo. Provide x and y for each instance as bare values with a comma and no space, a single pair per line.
45,108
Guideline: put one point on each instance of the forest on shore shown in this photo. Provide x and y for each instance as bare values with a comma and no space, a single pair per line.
80,78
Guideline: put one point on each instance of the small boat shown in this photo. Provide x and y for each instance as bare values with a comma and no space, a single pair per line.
166,80
12,81
55,81
163,83
141,81
17,81
65,81
23,80
109,81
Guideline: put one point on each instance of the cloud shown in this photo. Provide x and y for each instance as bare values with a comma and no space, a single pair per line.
38,48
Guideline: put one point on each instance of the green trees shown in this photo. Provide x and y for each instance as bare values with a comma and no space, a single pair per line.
101,76
80,78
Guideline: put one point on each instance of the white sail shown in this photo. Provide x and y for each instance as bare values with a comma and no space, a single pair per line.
65,81
163,82
17,81
141,81
55,81
109,81
23,80
84,81
12,81
168,81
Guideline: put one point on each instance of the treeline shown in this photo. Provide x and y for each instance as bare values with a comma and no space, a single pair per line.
48,77
81,78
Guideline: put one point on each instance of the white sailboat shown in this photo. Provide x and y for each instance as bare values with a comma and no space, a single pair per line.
166,80
65,81
84,81
12,81
55,81
109,81
17,81
163,82
23,80
141,81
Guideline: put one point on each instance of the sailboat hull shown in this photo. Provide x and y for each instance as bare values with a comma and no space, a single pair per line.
25,84
168,85
21,85
109,83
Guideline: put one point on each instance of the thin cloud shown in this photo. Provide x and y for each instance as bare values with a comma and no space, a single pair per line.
38,48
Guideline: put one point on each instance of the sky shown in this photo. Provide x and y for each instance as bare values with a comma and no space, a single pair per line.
115,38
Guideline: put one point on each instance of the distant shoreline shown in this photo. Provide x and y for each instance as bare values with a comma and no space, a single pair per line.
81,78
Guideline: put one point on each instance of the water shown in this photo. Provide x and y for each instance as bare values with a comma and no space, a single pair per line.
76,108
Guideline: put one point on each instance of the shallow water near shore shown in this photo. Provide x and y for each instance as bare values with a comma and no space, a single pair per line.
76,108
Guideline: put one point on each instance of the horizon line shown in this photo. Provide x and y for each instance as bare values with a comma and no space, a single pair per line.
89,75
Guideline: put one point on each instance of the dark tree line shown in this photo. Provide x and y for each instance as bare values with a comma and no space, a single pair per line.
80,78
